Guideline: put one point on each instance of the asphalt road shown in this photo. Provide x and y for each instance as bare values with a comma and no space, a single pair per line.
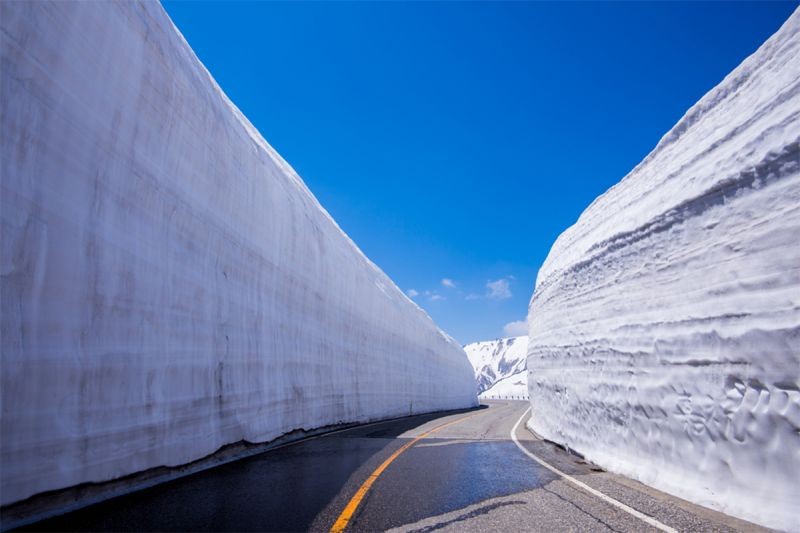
465,473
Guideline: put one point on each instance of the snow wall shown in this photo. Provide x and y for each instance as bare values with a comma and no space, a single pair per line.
169,284
665,324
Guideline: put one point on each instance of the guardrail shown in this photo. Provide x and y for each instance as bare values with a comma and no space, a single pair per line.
499,397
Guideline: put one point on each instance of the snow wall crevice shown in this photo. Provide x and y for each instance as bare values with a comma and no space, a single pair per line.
169,284
665,324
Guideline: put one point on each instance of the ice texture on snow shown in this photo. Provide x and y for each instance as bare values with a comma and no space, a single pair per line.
665,324
495,362
169,284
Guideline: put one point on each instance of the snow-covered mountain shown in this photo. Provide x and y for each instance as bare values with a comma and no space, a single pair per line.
500,366
169,283
665,324
513,386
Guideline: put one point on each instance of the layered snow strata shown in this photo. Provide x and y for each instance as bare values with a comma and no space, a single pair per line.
169,284
499,366
665,324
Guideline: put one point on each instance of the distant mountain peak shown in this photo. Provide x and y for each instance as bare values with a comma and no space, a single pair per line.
499,366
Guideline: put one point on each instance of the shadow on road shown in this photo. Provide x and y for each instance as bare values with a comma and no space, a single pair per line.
298,487
393,428
467,516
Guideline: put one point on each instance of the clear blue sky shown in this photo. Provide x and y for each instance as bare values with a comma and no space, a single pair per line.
458,140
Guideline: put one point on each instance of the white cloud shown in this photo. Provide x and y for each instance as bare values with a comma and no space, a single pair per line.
412,293
516,328
449,283
433,296
499,288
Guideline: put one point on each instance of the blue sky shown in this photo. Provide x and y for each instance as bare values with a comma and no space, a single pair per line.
455,141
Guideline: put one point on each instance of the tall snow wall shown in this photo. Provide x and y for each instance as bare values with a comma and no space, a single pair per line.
169,284
665,324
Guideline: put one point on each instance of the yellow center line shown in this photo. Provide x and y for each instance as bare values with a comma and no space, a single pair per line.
350,509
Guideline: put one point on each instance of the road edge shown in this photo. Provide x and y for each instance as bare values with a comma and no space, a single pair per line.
586,488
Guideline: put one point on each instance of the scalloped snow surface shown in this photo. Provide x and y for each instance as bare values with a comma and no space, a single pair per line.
665,324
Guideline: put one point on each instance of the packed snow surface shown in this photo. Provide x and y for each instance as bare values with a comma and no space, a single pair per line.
499,366
514,386
169,284
665,324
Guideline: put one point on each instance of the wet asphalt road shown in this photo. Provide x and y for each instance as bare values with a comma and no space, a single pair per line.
468,476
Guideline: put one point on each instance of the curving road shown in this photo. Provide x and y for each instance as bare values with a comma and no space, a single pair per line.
459,471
